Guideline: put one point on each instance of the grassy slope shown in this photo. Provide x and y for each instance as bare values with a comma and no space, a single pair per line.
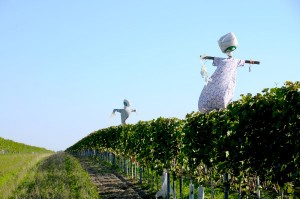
13,168
34,172
9,146
58,176
16,159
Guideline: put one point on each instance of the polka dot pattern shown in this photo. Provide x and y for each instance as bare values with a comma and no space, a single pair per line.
218,92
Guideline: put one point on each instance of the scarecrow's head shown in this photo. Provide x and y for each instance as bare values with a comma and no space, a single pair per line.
228,43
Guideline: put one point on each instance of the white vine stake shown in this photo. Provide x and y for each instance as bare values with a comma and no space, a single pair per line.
191,192
200,192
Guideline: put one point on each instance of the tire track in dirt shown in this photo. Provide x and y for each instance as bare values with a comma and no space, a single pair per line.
110,184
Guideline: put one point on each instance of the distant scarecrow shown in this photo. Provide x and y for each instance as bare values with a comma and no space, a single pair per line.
219,89
124,112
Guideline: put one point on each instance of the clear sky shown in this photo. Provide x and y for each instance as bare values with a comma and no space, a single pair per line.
66,64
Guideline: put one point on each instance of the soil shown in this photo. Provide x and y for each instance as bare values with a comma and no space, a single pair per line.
110,183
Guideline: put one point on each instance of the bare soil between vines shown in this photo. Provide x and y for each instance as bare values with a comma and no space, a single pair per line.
111,184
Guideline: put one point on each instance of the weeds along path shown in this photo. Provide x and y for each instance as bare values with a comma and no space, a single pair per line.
111,184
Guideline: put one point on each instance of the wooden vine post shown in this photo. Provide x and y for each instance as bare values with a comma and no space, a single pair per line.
181,184
258,187
212,193
168,185
227,178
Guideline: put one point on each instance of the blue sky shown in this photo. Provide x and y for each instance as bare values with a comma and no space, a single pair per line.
65,65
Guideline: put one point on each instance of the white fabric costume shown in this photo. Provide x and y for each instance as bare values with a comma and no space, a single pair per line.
218,92
124,112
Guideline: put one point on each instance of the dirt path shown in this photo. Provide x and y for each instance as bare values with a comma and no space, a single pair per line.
110,184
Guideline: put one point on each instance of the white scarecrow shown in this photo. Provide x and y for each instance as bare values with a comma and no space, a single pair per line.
124,112
219,89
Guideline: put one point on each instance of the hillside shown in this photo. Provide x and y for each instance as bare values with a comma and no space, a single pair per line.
9,146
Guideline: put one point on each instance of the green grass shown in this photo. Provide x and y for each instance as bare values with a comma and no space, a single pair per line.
58,176
33,172
13,168
16,159
9,146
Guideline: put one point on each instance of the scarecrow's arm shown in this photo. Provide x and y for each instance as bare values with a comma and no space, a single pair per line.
246,61
117,110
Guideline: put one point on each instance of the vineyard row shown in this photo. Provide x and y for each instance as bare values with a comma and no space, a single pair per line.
257,134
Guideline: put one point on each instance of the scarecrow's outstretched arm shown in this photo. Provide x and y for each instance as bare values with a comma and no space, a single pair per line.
252,62
207,57
117,110
246,61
